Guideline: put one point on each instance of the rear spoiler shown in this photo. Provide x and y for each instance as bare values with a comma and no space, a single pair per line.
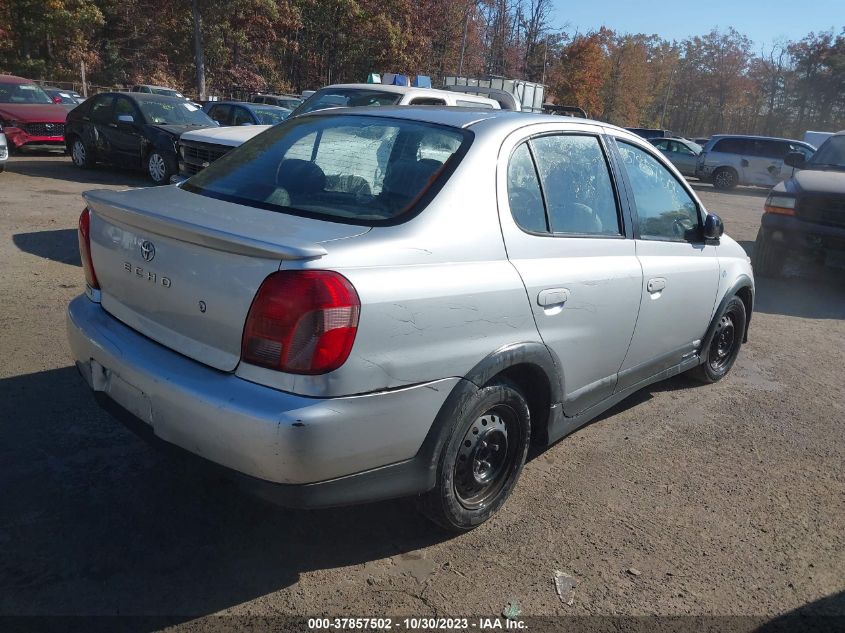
101,202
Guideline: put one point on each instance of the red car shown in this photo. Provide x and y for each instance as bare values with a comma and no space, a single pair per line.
28,115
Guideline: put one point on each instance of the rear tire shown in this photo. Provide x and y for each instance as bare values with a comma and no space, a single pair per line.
725,178
482,460
768,258
724,346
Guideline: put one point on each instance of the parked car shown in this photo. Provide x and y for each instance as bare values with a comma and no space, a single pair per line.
411,297
28,115
198,149
355,95
132,130
805,213
650,133
67,98
239,113
731,160
4,150
164,91
289,102
701,140
682,153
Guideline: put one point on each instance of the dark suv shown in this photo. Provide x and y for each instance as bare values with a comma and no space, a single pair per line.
805,213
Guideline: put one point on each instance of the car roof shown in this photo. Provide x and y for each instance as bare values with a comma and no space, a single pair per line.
757,138
461,117
154,86
14,79
402,90
247,104
144,96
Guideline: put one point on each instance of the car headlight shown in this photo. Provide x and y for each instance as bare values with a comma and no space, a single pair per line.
11,124
182,152
781,204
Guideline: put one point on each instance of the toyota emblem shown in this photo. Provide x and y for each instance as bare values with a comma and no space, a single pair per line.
148,250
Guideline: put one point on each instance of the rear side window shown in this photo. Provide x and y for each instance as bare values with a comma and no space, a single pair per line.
101,109
524,196
220,113
733,146
577,186
664,208
357,169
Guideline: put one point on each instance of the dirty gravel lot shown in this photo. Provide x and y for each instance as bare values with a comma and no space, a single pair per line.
727,499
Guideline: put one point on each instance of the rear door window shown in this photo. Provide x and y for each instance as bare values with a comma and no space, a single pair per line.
576,184
101,109
221,113
357,169
733,146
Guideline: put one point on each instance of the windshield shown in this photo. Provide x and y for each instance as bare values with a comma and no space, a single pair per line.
357,169
174,113
23,93
271,116
830,154
348,98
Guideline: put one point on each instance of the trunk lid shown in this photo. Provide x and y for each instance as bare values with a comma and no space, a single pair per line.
183,269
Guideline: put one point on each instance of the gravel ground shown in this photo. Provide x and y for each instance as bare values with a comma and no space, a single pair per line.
683,500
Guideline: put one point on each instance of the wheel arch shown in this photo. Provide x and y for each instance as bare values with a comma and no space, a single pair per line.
743,288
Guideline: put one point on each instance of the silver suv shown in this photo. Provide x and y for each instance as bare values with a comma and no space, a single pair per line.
731,160
372,303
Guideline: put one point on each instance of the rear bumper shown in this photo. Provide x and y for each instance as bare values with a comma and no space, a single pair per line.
797,234
300,451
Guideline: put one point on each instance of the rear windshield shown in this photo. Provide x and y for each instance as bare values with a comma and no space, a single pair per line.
348,98
356,169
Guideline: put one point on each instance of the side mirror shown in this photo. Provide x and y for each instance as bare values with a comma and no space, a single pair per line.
795,159
713,227
126,118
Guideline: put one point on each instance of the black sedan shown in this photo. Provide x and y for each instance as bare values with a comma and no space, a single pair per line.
131,130
228,113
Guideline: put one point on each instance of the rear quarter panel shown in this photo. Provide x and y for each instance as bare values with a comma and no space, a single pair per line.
438,293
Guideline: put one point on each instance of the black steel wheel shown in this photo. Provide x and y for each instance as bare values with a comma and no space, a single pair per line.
480,464
722,348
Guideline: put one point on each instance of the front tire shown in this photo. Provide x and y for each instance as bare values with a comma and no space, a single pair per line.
768,258
482,460
725,178
160,167
725,343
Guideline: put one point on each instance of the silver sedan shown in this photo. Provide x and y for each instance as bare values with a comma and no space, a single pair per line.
378,302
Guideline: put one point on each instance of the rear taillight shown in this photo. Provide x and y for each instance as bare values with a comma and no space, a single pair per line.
84,235
302,322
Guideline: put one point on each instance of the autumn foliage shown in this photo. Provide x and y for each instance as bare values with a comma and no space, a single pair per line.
705,84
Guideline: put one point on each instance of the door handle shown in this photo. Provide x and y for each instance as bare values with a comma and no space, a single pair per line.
656,285
552,297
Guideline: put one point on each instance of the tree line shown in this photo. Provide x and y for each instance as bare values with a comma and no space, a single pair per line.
704,84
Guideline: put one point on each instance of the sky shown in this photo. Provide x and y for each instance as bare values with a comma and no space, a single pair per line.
764,21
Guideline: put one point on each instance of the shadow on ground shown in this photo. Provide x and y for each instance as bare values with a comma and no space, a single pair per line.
59,245
754,192
95,522
822,616
35,165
